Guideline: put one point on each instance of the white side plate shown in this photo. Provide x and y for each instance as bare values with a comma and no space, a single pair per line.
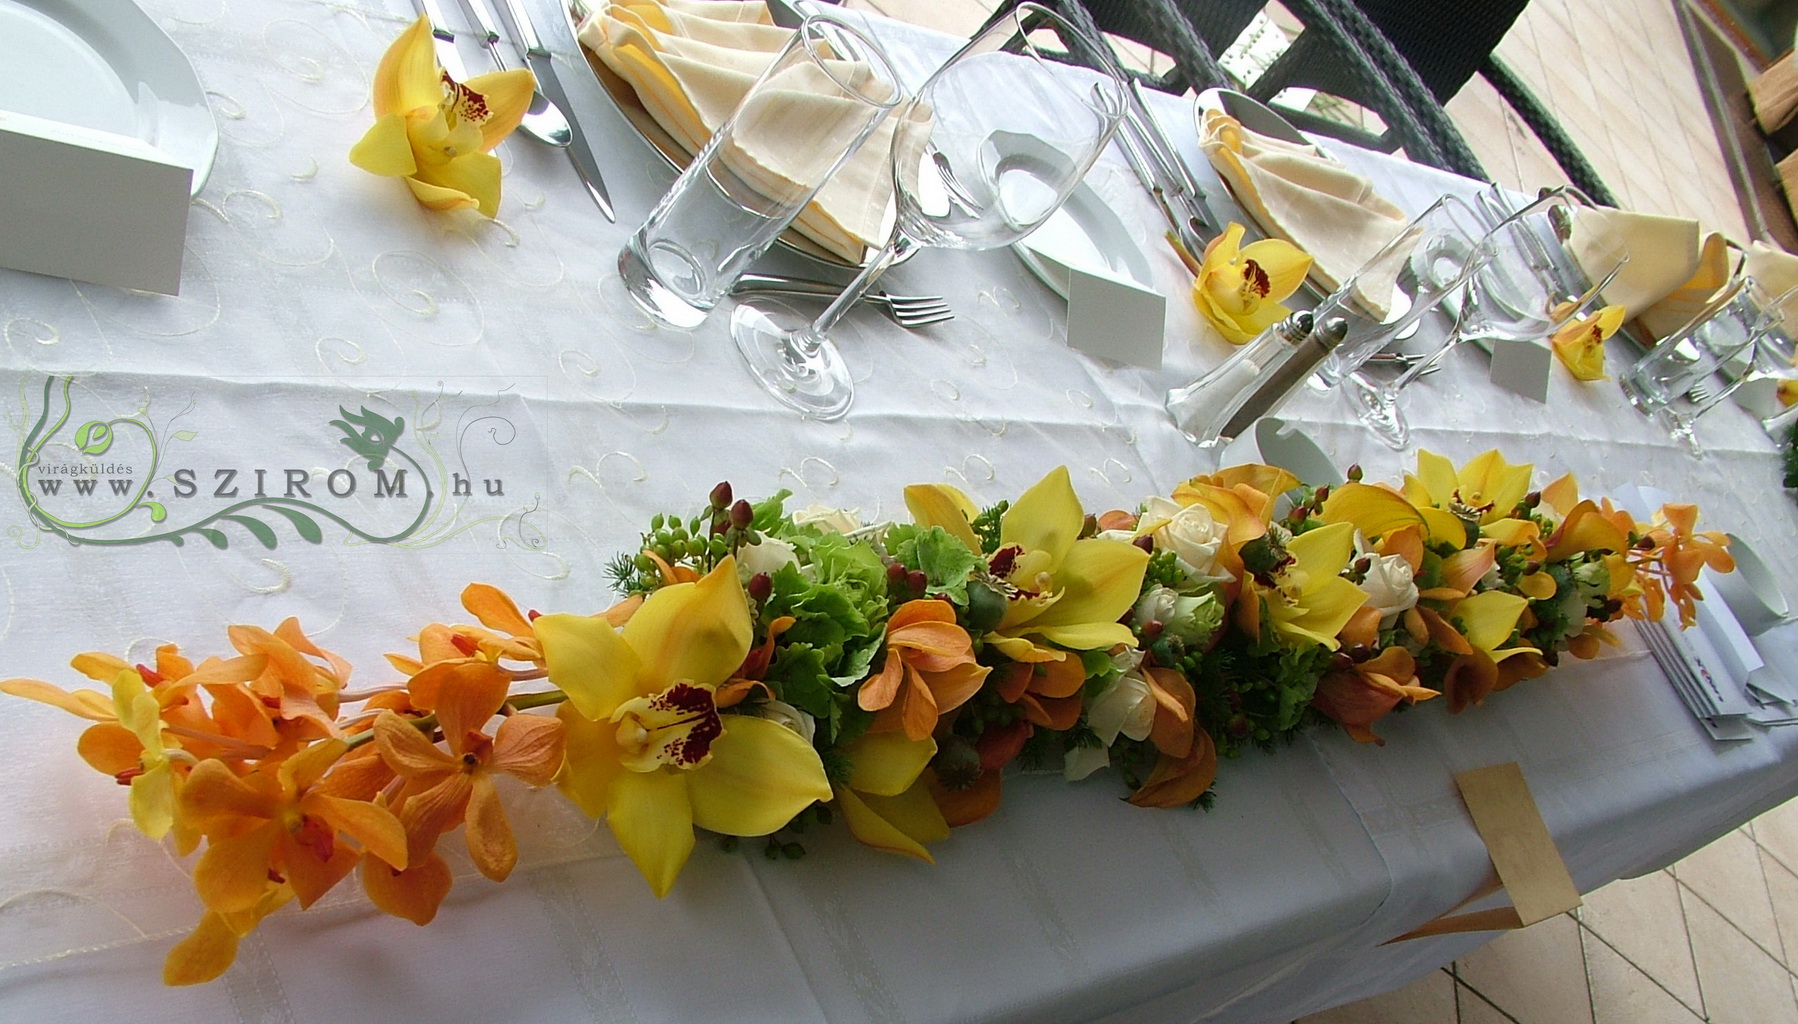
103,64
1084,233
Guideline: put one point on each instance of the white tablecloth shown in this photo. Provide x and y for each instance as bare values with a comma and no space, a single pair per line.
511,354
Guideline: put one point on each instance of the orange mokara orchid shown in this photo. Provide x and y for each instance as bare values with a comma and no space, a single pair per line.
929,671
444,789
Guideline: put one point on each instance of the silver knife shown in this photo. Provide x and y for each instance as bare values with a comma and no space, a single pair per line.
580,151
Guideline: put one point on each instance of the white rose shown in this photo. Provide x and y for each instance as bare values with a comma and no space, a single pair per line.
830,520
1125,536
1389,586
770,554
788,715
1190,533
1126,707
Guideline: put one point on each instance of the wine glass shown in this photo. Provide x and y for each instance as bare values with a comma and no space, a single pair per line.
989,147
1386,297
1740,339
1528,284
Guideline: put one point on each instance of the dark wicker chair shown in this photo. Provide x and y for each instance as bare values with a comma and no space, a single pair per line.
1442,44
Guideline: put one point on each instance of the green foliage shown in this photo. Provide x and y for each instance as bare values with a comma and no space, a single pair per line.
986,526
944,560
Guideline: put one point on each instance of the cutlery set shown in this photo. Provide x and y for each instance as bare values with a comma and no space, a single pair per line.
547,120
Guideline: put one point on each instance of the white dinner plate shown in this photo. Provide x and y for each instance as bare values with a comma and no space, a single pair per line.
1084,234
103,64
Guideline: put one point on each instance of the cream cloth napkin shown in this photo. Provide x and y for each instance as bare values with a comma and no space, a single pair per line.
1674,266
1777,272
690,69
1301,195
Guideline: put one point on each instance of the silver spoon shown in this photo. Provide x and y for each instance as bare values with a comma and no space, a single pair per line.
543,120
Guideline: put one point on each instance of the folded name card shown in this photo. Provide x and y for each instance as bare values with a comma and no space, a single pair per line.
1530,868
90,205
1523,367
1116,319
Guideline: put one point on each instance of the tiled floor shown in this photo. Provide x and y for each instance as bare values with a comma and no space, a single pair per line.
1707,939
1704,940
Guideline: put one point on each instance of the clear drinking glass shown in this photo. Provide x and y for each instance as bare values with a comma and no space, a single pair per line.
807,113
1430,259
989,147
1527,285
1691,370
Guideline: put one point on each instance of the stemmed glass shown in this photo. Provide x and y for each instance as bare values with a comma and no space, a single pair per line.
989,147
1739,340
1527,285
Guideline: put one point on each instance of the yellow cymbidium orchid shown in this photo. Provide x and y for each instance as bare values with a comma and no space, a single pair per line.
435,131
1579,343
1311,601
1487,620
1487,489
646,746
1070,592
1238,288
886,803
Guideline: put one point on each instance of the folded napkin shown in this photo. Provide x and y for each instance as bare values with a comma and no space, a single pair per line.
1674,267
692,62
1303,196
1777,272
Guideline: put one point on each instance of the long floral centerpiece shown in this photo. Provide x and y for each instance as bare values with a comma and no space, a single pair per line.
768,669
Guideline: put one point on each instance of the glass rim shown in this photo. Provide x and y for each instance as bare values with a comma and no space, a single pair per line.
816,30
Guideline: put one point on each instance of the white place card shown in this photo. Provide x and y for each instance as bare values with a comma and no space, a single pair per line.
1116,319
1523,367
90,205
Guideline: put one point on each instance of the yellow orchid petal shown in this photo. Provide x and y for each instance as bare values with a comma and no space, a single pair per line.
887,763
1329,605
1088,636
760,775
206,953
152,801
1489,480
1284,263
944,506
1489,618
1020,649
591,662
385,149
592,759
1436,476
507,95
408,76
653,821
1586,529
1512,533
1324,551
1444,527
899,824
1269,480
434,197
699,632
1046,518
89,704
475,175
1100,580
1562,495
1375,511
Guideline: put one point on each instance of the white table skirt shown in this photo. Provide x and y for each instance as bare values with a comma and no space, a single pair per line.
510,351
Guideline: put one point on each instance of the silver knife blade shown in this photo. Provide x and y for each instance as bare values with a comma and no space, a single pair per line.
580,151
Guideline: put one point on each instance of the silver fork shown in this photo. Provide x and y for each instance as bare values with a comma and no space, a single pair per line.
907,311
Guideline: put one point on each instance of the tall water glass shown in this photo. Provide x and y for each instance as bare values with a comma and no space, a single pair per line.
807,114
1688,372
